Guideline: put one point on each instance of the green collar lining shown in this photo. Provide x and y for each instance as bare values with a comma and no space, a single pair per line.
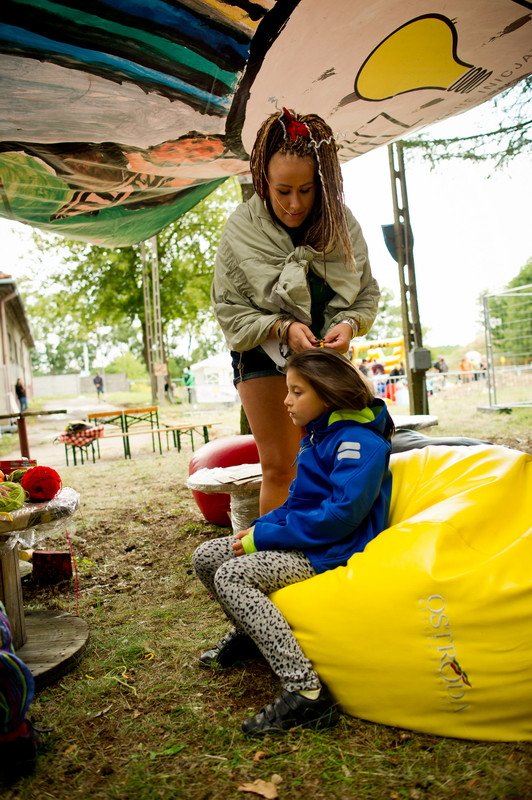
363,416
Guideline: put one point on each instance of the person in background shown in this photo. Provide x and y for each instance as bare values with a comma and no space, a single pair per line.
291,273
466,370
20,390
169,389
338,502
379,381
364,367
98,383
440,365
398,370
189,381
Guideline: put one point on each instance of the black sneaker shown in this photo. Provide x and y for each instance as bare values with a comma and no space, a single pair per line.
292,710
228,654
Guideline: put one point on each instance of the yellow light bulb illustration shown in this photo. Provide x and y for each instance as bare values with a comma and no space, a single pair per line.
422,54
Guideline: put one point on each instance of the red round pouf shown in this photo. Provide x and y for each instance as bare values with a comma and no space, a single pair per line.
227,451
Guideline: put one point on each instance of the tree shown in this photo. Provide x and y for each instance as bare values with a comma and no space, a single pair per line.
95,286
510,318
388,323
133,368
500,145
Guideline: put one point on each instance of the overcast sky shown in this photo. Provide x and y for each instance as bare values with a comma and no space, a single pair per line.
471,224
472,230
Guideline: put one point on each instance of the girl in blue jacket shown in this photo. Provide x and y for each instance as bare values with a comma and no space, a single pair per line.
338,502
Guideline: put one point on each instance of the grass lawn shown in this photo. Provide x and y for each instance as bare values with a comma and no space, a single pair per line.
138,720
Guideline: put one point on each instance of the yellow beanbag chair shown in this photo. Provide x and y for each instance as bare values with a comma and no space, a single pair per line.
430,627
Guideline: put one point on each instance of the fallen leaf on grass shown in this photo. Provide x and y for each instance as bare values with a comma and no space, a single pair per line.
103,711
71,748
260,755
266,789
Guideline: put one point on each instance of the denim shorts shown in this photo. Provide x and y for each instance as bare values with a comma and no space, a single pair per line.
252,364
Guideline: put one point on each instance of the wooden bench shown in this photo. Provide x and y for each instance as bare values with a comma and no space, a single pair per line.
200,428
90,450
126,417
176,431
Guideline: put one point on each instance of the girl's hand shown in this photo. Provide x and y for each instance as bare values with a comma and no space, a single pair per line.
338,338
300,337
237,544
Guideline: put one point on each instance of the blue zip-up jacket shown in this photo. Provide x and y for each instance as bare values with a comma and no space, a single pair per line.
340,497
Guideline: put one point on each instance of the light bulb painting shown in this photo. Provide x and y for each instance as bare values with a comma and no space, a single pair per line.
118,117
422,54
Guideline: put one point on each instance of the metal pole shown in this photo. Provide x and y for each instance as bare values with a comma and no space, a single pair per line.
400,257
23,437
158,348
490,366
148,318
418,357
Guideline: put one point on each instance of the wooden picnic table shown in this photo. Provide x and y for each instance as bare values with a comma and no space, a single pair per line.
20,416
85,444
126,418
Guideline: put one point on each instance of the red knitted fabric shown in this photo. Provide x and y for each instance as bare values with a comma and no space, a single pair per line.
41,483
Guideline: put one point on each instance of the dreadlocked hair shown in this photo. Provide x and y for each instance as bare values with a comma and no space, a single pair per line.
328,221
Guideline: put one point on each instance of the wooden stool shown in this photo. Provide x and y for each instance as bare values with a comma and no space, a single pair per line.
241,482
10,587
49,642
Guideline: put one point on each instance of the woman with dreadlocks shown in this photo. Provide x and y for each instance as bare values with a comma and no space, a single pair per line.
292,273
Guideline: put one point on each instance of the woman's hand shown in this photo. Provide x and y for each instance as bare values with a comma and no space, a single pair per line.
237,544
300,337
338,338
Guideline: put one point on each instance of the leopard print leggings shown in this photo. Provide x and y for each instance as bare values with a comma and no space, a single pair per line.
241,585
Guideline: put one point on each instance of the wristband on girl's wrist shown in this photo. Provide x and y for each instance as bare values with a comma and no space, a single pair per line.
248,542
281,330
353,324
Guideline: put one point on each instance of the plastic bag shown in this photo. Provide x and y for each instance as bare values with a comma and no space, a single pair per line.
35,521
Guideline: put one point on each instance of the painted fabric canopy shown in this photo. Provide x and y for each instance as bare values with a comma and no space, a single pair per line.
118,116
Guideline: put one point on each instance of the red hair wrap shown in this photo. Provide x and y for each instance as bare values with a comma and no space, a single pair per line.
293,128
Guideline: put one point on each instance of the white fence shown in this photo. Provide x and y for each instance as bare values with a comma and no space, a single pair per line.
508,331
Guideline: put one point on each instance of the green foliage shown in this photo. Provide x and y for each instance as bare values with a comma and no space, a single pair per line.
388,323
511,138
523,277
128,363
510,318
98,286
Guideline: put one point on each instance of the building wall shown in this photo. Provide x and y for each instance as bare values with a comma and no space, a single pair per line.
16,363
73,385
